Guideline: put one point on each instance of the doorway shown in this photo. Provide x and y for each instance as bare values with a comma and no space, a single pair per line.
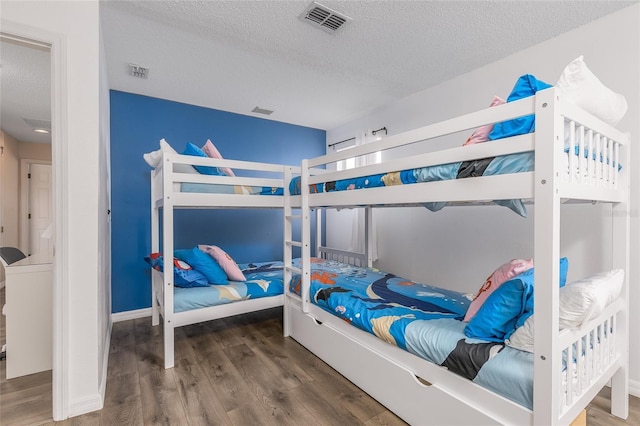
27,141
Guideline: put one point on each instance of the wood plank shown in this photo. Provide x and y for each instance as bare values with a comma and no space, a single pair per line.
122,402
274,359
27,406
325,408
199,399
251,414
599,411
149,346
354,399
122,351
268,388
232,390
159,396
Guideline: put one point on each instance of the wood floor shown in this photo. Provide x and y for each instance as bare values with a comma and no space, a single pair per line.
236,371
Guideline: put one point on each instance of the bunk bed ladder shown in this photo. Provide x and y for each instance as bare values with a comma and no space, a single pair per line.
298,217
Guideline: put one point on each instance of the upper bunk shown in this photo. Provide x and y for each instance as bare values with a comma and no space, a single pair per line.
562,131
184,181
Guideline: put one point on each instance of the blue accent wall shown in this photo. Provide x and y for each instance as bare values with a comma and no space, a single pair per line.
137,125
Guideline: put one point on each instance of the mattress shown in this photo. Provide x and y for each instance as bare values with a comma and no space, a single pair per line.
422,319
264,279
504,164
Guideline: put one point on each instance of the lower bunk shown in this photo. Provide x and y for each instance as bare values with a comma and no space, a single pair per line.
377,330
262,289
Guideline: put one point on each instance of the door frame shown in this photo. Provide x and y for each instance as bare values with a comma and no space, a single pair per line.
24,199
57,44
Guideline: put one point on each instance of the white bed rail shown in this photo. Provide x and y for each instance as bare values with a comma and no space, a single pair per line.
589,354
343,256
592,175
557,400
600,151
240,193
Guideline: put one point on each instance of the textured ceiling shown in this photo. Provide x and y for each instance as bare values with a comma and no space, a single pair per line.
25,88
236,55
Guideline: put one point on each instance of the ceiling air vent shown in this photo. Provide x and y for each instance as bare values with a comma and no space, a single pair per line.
324,18
138,71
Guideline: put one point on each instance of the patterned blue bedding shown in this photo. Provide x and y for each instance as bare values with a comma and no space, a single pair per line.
422,319
264,279
510,163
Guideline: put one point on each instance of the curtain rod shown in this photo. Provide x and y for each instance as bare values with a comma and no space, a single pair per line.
338,143
382,129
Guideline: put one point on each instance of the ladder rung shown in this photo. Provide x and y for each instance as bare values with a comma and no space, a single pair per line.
294,243
293,269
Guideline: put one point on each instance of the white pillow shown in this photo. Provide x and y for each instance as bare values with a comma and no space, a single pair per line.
579,85
580,301
153,158
522,338
583,300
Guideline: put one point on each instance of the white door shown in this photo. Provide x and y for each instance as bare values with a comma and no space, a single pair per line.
40,209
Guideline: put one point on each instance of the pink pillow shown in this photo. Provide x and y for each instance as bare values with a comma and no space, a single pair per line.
225,261
212,152
482,133
501,275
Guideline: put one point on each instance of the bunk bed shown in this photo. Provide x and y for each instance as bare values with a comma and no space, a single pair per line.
176,184
578,158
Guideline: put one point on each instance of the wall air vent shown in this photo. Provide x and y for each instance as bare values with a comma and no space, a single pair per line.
324,18
262,111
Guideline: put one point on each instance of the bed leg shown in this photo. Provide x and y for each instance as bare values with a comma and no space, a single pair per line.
620,393
168,346
155,311
286,320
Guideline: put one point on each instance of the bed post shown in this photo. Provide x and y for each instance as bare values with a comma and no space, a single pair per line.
547,359
620,259
167,254
318,231
155,247
288,248
305,235
368,235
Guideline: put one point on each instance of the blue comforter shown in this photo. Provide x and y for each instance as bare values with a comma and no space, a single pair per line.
422,319
264,279
505,164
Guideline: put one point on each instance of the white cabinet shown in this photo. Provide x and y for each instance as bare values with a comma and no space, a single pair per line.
29,316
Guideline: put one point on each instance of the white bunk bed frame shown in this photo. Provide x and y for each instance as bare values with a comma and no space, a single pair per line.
424,393
166,195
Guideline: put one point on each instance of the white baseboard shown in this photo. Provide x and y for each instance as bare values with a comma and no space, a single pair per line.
96,402
129,315
86,405
634,388
105,361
